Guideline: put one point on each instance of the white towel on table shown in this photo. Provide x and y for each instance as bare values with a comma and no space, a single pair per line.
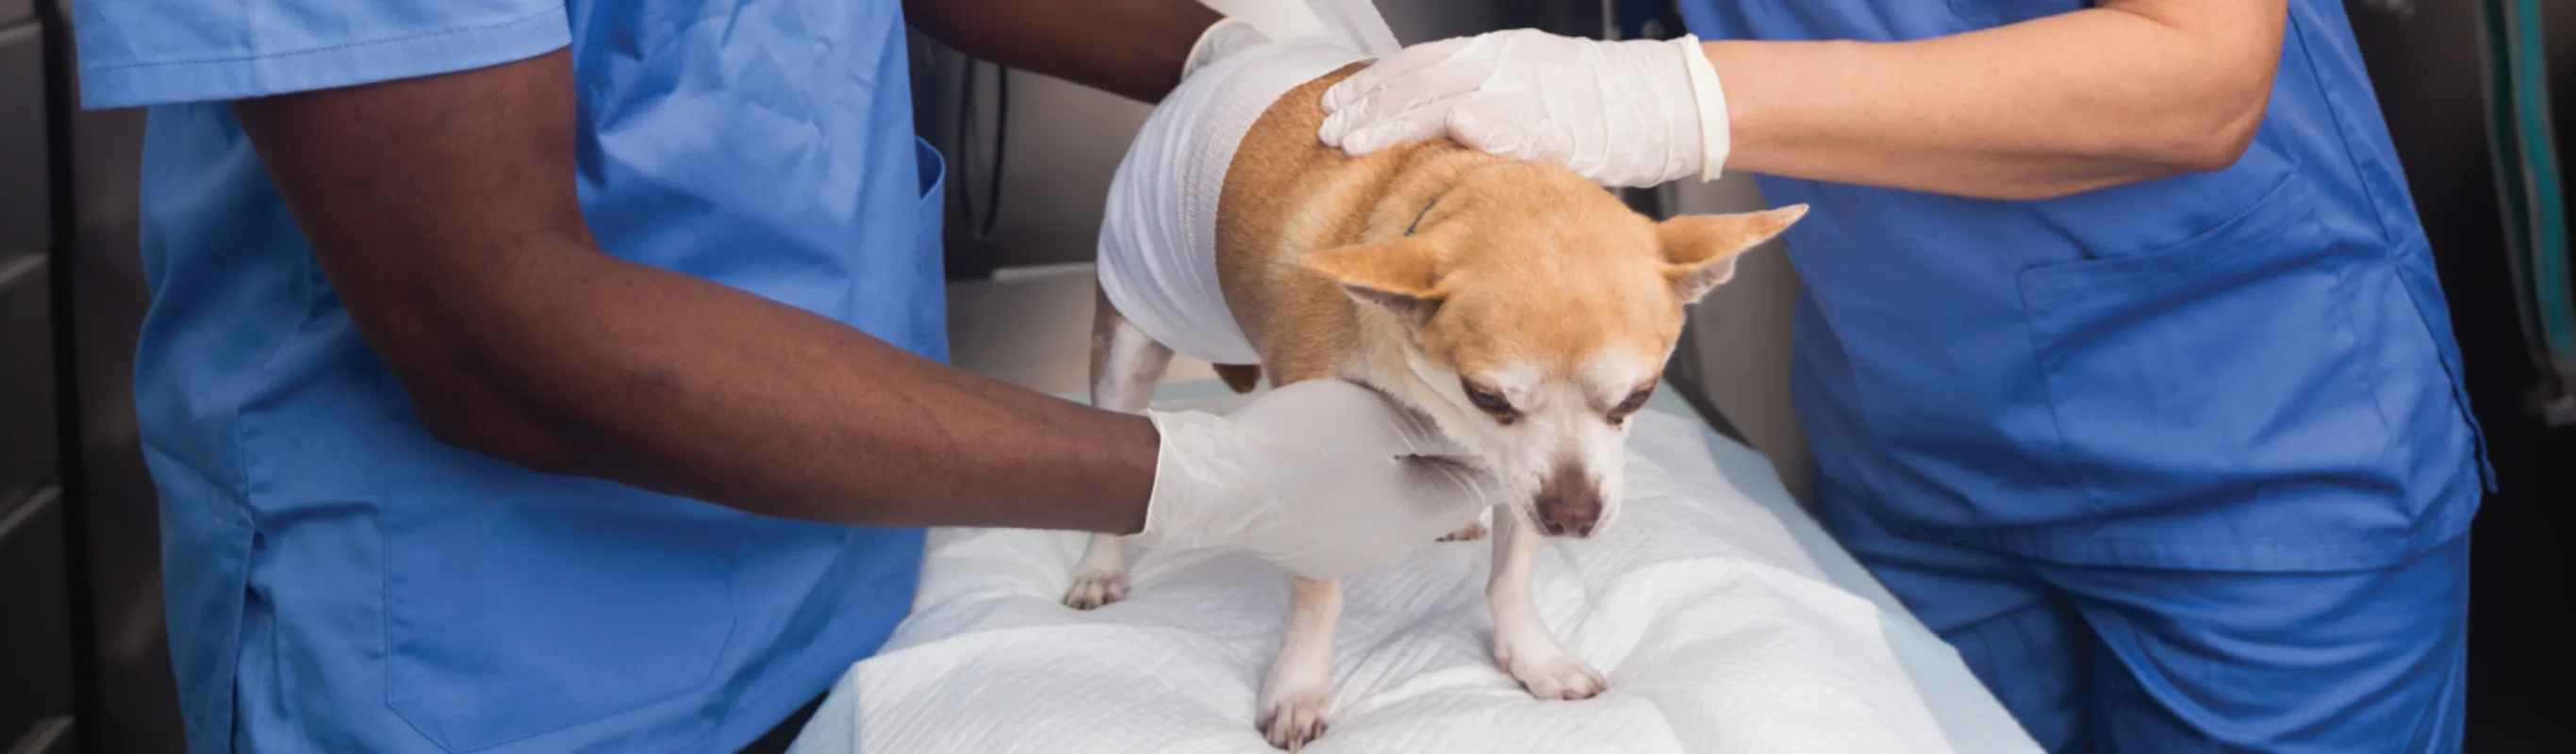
1716,631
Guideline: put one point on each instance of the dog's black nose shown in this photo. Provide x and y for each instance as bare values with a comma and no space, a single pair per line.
1569,502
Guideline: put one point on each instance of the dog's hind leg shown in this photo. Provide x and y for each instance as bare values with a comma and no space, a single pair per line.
1125,365
1299,688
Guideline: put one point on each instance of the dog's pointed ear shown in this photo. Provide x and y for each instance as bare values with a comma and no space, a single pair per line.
1700,250
1400,275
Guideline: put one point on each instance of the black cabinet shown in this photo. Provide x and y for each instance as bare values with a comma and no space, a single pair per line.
24,203
36,634
36,697
80,589
28,456
79,555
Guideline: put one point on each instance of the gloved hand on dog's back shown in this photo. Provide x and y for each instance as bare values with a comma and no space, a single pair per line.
1625,114
1324,478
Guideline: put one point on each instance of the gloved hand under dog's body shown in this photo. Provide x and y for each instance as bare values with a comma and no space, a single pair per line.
1324,478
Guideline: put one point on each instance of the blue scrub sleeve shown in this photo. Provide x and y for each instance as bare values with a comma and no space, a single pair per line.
152,52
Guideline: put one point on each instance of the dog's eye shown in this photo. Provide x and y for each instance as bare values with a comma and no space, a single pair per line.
1489,401
1635,401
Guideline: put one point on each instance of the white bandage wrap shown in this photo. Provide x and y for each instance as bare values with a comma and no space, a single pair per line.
1223,39
1158,233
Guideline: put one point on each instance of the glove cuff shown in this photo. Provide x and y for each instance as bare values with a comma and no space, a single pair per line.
1715,136
1171,512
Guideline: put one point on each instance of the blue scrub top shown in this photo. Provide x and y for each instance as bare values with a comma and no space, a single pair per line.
2247,369
339,581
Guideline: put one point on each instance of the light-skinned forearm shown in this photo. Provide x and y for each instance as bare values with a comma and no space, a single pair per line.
2052,106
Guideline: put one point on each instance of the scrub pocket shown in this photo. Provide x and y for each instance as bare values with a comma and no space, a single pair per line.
2201,372
511,618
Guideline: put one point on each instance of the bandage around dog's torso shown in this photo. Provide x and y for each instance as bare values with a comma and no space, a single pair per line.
1158,234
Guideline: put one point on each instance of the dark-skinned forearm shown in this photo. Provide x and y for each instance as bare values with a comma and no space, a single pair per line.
1132,48
678,384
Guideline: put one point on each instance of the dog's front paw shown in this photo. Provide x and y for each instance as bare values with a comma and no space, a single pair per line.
1294,718
1092,590
1470,533
1554,676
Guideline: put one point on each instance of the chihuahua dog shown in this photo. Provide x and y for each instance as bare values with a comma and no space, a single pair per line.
1522,308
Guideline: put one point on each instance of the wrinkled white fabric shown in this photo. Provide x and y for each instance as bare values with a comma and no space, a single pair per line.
1158,231
1717,633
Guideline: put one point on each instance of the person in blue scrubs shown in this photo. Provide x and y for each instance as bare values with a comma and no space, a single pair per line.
2121,353
529,376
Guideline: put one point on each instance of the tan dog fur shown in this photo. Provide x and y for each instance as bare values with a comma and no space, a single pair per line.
1523,278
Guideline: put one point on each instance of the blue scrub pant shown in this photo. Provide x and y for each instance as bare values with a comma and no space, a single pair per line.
2121,660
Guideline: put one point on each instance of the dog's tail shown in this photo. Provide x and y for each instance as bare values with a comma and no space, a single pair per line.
1242,378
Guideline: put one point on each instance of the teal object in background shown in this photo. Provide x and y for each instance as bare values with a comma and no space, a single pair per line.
2534,198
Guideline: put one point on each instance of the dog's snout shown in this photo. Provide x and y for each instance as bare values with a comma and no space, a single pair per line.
1569,502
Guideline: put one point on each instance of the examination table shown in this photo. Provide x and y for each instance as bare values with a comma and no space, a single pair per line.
1723,616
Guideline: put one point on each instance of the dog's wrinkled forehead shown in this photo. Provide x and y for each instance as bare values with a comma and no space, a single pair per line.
1551,281
1556,333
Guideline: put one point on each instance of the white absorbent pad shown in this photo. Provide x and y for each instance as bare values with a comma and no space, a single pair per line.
1158,231
1716,631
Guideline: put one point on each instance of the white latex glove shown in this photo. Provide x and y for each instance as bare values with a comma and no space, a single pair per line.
1626,114
1319,477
